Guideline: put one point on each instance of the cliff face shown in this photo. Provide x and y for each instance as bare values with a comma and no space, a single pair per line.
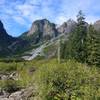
43,28
67,27
97,25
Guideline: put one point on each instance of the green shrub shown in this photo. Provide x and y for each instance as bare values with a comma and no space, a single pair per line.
68,81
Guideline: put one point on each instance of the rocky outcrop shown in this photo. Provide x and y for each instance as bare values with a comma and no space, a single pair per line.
23,94
43,28
97,25
8,76
67,27
18,93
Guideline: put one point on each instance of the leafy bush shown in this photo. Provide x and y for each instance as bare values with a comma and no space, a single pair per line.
68,81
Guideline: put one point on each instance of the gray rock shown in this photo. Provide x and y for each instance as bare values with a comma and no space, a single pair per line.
44,27
24,94
4,77
67,27
13,76
1,98
97,25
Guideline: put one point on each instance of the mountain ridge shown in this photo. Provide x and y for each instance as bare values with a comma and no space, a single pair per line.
41,31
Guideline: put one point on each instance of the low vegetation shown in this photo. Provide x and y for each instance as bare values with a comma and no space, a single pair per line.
68,80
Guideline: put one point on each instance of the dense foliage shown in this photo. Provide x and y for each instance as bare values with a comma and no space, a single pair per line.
68,80
83,44
93,46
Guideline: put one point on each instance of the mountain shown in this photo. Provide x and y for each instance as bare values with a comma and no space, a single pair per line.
10,45
41,34
5,40
44,30
67,27
41,30
45,27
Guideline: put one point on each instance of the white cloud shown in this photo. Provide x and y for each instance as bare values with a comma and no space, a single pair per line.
31,10
19,20
60,19
25,9
92,19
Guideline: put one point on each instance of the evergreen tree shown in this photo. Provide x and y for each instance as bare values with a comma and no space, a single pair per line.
77,40
93,46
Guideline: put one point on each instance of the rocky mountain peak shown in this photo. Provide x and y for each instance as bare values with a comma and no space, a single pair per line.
67,27
44,27
70,22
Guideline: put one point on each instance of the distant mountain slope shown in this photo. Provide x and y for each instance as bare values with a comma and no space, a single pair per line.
5,40
8,44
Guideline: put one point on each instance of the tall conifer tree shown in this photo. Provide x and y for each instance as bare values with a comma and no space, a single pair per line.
93,46
78,39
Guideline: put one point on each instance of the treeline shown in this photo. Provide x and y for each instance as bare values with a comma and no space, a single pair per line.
10,60
83,43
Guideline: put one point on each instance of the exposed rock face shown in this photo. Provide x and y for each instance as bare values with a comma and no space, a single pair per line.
67,27
24,94
97,25
43,28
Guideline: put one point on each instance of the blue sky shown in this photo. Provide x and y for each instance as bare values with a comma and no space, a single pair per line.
18,15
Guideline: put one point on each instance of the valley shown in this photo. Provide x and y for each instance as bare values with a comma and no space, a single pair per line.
51,62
